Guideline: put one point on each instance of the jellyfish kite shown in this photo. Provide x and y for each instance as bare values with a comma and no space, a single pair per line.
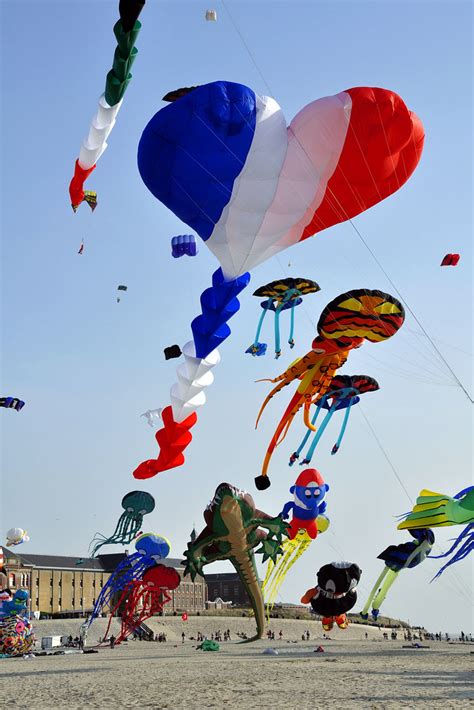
224,161
121,287
308,519
397,558
343,394
136,504
437,510
149,550
280,296
142,598
344,324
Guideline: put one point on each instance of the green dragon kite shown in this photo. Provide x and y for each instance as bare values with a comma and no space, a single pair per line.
232,533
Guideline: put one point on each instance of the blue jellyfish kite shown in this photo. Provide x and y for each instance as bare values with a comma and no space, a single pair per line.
344,393
280,296
136,504
150,548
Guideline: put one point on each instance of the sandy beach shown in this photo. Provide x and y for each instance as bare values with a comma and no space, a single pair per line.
352,672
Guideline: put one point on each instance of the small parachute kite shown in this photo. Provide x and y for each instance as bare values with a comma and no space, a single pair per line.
150,548
280,296
184,244
335,593
438,510
136,504
344,324
143,598
307,508
211,16
344,393
16,536
121,287
396,558
450,260
12,403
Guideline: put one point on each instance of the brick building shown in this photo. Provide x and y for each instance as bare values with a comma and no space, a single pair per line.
69,586
228,587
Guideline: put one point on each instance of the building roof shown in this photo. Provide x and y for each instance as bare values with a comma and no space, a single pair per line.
101,563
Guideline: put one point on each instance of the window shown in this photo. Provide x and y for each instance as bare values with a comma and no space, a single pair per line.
82,602
51,602
37,581
59,601
51,582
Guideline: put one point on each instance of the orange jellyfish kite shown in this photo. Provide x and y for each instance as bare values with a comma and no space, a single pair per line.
344,324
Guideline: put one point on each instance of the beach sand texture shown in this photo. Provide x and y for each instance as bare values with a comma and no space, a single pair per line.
370,674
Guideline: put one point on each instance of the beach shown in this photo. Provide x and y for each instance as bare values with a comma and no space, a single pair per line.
351,672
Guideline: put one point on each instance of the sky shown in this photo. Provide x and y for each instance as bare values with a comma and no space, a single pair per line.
88,366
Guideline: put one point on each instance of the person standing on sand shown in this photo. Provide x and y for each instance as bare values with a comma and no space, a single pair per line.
112,641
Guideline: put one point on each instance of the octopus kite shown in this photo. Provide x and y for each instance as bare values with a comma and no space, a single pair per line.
280,296
142,598
344,324
437,510
150,548
136,504
344,393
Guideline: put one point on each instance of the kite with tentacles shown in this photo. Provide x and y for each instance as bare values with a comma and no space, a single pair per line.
225,162
343,394
436,510
308,519
280,296
397,558
149,550
136,504
142,598
344,324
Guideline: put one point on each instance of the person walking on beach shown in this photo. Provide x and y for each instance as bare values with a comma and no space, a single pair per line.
183,636
112,641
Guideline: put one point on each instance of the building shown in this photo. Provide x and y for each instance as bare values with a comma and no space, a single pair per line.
69,586
228,587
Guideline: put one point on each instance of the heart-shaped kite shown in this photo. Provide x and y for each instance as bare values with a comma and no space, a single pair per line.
224,161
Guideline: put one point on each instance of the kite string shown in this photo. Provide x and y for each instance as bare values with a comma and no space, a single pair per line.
364,242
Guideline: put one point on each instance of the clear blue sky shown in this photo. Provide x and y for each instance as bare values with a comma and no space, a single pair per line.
87,367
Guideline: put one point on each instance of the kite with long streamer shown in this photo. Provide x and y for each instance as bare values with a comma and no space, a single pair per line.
224,161
149,550
126,31
344,324
143,598
397,558
343,395
308,519
282,295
